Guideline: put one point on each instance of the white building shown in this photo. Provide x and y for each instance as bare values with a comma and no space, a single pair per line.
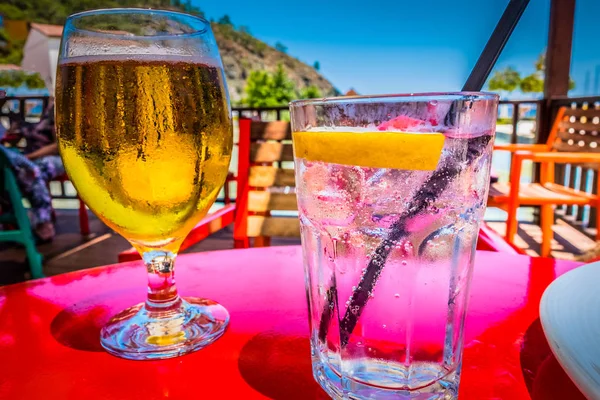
40,53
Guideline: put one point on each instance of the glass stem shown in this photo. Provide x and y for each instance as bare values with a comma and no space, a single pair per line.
162,293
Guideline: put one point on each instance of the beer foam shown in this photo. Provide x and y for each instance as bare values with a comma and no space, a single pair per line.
170,58
90,49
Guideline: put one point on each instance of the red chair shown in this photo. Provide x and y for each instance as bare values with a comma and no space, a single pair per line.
573,140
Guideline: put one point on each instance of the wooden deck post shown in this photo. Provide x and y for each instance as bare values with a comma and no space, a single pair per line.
558,61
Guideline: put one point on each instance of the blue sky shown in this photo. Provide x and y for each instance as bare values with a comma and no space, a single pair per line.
387,46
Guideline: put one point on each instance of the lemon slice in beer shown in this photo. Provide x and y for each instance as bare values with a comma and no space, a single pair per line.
398,150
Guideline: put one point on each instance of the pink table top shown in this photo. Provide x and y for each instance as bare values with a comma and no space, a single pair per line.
49,332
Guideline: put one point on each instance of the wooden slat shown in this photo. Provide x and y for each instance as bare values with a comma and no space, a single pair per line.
259,201
570,191
575,127
273,226
577,137
271,152
565,146
534,194
590,113
267,176
276,130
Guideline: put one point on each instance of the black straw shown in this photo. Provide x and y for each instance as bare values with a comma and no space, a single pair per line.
494,46
432,188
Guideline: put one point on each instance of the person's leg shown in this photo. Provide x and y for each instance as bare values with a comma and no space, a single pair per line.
30,179
49,167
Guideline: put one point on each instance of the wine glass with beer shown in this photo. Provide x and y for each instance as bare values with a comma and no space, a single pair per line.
144,130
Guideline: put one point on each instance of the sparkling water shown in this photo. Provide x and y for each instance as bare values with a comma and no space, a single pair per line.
407,337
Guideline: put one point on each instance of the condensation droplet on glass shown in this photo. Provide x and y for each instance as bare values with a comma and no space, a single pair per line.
397,295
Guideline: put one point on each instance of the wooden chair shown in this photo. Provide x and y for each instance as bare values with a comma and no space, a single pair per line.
265,186
574,139
17,219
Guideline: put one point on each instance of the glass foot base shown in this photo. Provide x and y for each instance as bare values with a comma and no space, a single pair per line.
141,334
381,380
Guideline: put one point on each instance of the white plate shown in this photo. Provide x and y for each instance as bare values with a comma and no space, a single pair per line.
570,316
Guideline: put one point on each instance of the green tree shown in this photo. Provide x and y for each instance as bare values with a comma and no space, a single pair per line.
225,20
258,90
534,83
11,51
507,79
264,89
317,65
56,12
310,92
281,47
21,78
540,63
187,6
283,88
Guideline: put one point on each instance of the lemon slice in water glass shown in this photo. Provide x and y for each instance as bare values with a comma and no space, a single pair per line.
398,150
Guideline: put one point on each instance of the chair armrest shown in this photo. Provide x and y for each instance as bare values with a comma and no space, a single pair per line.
517,147
210,224
556,157
207,226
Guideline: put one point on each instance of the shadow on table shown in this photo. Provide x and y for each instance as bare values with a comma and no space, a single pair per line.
279,367
543,375
80,330
78,326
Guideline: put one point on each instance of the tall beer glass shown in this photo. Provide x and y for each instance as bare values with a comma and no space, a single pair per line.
144,130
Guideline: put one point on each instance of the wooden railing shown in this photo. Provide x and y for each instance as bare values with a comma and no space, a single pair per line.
17,108
574,176
516,116
262,113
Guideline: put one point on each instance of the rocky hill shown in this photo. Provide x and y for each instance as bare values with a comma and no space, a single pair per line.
242,53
